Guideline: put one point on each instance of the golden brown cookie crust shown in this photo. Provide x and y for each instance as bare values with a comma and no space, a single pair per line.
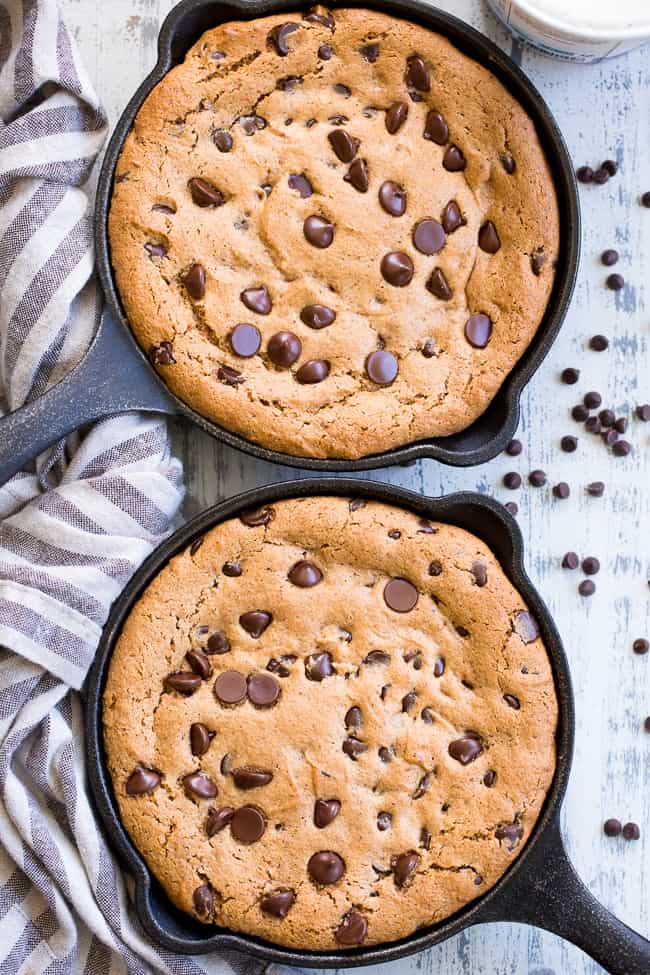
463,828
254,239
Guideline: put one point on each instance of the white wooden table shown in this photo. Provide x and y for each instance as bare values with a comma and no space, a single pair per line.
604,111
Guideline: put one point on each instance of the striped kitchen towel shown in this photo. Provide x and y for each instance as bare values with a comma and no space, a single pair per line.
72,529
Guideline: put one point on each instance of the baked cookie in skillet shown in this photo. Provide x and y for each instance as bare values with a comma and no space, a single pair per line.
330,723
333,234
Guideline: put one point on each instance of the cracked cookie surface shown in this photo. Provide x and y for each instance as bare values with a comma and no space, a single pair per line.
330,723
333,236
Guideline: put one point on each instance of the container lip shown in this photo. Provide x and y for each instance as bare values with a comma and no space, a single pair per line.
565,28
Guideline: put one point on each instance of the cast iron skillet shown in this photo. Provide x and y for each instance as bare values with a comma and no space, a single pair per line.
540,888
115,375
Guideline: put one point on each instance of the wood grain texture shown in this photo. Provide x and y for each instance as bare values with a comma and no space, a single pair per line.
603,112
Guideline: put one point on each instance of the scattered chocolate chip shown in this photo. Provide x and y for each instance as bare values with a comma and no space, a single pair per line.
284,349
313,371
489,778
325,812
222,140
194,281
439,667
631,831
400,595
587,588
299,182
218,819
512,833
537,262
439,288
615,282
217,642
263,690
255,622
488,238
257,300
512,508
436,128
141,781
435,568
452,218
620,425
318,666
593,424
230,687
601,176
592,400
417,73
598,343
231,569
203,900
514,448
479,571
278,903
580,413
278,37
326,867
621,448
428,236
397,268
325,52
610,166
252,123
353,717
317,316
609,258
590,565
607,418
248,824
245,340
466,749
453,160
229,376
585,174
508,163
641,646
646,724
200,785
382,367
396,116
205,194
478,330
537,478
342,90
200,738
643,413
376,657
612,827
318,231
645,200
570,376
344,145
385,755
404,866
392,198
596,489
199,663
357,175
525,626
512,480
251,777
162,355
369,52
305,574
561,490
569,444
352,930
183,681
512,701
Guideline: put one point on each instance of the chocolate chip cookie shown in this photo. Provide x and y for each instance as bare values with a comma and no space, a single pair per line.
333,234
329,723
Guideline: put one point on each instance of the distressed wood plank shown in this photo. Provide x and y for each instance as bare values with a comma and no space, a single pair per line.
603,111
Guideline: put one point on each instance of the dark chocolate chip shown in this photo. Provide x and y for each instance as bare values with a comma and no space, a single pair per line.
196,545
284,349
435,568
453,160
245,340
570,561
537,262
257,299
610,166
162,355
377,657
251,777
255,622
396,116
353,747
512,480
263,690
512,833
593,425
514,448
313,371
537,478
580,413
318,231
466,749
252,123
232,569
392,198
489,778
200,738
592,400
385,755
248,824
299,182
479,571
397,268
382,367
164,208
325,812
570,376
452,218
512,701
508,163
203,900
512,508
598,343
478,330
621,448
356,503
194,281
400,595
615,282
428,236
439,667
439,287
344,145
305,574
641,646
326,867
320,15
278,903
569,444
226,764
200,785
601,176
318,666
612,827
217,642
141,781
561,490
609,257
317,316
353,929
357,175
325,52
230,687
591,565
353,717
404,867
222,140
525,626
218,819
631,832
621,424
643,412
417,73
199,663
436,128
184,681
596,489
408,702
369,52
342,90
278,37
587,587
488,238
384,821
229,376
205,194
585,174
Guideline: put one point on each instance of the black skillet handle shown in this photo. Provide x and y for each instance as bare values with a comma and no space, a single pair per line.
110,379
549,894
